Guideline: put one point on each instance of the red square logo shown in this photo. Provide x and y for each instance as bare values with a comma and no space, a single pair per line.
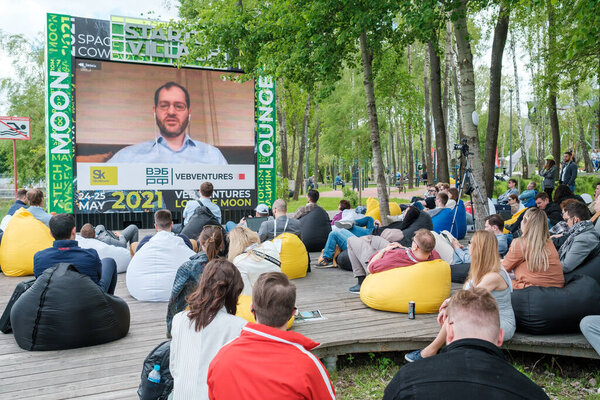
241,176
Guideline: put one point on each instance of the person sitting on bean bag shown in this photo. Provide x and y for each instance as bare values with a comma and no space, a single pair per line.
472,366
441,217
152,269
533,257
403,231
315,224
20,202
189,273
581,238
528,196
485,272
280,224
346,228
251,257
36,202
65,249
200,332
87,240
163,224
462,254
373,254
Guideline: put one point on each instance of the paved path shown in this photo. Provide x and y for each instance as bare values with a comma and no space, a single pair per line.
372,192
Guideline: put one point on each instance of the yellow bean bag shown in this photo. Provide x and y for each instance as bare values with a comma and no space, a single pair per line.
426,283
24,236
513,220
243,310
293,255
373,209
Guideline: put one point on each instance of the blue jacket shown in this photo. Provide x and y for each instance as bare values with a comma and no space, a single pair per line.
86,261
13,209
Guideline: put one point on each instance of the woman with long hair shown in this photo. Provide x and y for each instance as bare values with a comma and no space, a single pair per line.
209,323
211,243
549,174
486,272
251,257
533,257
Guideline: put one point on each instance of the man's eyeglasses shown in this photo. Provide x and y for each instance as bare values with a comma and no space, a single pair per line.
164,106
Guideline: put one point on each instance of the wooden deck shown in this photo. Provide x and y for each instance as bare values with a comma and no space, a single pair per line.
112,370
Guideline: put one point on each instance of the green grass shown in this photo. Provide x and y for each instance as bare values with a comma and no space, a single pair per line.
365,376
5,205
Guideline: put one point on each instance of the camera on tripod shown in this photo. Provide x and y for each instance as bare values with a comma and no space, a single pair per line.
463,147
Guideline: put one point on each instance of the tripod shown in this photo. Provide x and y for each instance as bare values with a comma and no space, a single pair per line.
473,185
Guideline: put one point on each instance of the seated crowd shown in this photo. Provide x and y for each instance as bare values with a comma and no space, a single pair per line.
219,348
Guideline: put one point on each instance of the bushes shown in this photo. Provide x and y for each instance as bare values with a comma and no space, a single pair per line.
351,196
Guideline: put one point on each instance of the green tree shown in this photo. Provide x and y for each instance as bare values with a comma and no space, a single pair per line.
25,97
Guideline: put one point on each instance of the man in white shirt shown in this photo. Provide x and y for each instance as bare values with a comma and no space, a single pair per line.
172,114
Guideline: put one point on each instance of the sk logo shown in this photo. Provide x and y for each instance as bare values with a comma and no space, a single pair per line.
101,176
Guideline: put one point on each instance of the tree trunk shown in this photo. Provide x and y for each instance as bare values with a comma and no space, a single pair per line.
584,147
438,115
456,88
294,135
552,86
392,147
299,175
467,89
491,137
281,118
446,93
411,161
428,144
524,150
459,121
382,195
317,131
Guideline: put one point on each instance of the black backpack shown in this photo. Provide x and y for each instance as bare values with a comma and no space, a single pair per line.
21,288
157,391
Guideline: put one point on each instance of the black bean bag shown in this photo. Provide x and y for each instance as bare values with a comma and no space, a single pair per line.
459,272
549,310
315,228
64,310
343,261
202,216
590,267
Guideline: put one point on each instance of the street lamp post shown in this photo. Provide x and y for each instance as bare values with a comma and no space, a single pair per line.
510,138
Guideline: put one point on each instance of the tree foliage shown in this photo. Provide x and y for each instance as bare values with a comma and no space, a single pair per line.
25,96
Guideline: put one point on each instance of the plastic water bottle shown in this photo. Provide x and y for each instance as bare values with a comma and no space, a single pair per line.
154,375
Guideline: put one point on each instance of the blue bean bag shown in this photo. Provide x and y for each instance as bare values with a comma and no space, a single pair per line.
459,230
549,310
443,220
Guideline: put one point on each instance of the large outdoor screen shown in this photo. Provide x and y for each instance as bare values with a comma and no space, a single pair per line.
147,136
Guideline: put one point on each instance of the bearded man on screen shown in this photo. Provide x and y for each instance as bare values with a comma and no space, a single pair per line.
172,114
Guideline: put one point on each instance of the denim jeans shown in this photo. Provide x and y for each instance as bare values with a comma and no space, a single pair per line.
363,226
108,280
340,238
590,327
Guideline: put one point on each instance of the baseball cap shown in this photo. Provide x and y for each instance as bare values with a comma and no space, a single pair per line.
262,209
549,157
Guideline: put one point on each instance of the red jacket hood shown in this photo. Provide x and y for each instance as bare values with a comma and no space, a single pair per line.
290,336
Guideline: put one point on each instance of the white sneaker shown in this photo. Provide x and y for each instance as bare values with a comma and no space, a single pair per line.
344,224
